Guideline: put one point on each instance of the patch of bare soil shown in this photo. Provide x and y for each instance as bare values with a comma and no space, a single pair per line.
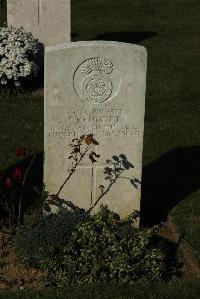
13,274
39,92
189,268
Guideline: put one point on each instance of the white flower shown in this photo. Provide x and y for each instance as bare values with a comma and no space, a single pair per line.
3,81
17,83
16,46
1,51
9,74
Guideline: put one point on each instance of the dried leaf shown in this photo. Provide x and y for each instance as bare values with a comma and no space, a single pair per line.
88,140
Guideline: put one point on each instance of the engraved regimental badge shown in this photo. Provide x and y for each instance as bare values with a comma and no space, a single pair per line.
92,80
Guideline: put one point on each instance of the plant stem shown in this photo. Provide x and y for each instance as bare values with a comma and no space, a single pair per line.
117,176
72,170
19,218
91,195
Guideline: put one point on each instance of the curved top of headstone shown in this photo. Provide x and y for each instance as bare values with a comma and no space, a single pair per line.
95,44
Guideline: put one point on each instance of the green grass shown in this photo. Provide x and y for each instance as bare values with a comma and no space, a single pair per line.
173,290
186,217
170,32
21,124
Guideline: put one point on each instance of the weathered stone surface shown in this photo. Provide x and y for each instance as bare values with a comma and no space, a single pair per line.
99,88
48,20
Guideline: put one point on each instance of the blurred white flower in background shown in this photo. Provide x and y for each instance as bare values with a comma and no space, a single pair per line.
17,50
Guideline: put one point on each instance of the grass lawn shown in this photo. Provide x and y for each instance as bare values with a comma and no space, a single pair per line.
186,216
174,290
21,124
171,158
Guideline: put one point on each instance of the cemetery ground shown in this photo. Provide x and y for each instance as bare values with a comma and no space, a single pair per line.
171,157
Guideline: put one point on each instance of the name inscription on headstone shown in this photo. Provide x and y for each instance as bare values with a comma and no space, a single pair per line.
100,122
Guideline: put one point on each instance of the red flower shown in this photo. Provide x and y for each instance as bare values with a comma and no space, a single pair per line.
20,151
8,182
17,173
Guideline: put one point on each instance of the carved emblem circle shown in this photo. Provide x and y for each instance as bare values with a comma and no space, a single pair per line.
92,81
97,88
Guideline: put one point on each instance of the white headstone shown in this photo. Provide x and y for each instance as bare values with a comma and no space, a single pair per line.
95,88
48,20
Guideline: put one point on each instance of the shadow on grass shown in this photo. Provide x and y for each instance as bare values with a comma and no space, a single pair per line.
34,181
126,37
167,181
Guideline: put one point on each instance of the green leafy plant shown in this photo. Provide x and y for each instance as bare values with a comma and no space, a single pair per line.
104,249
